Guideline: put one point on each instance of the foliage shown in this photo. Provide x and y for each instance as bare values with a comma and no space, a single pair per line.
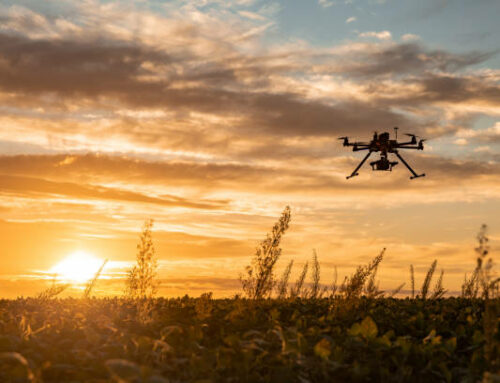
141,279
240,340
259,280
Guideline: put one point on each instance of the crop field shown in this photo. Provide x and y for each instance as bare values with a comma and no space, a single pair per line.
240,340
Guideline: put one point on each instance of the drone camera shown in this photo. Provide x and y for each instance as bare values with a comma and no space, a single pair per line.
383,164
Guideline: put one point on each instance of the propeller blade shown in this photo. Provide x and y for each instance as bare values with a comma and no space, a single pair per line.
342,138
410,135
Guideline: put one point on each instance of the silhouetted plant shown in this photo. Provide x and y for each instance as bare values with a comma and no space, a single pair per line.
412,277
427,281
397,290
470,287
334,287
439,290
371,287
283,283
485,265
315,291
297,289
141,279
259,280
54,290
489,286
352,287
91,283
204,306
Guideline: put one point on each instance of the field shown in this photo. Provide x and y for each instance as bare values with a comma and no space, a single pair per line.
240,340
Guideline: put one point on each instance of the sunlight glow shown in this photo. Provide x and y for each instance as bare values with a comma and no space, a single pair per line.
78,267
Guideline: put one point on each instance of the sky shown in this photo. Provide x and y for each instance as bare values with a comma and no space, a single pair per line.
211,116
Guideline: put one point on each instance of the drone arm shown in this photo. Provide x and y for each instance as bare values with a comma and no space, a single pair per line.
415,175
354,173
357,148
357,144
409,147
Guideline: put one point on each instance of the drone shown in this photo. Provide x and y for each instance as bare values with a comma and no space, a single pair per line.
381,143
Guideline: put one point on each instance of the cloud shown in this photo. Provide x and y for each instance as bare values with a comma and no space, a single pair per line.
488,135
382,35
36,187
252,15
326,3
350,20
483,149
460,141
410,37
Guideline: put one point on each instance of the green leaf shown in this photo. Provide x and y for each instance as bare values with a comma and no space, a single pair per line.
323,348
367,328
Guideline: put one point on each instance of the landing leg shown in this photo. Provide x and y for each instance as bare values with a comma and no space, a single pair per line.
415,175
354,173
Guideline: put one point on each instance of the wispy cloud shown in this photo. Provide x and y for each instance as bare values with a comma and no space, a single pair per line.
326,3
410,37
350,20
382,35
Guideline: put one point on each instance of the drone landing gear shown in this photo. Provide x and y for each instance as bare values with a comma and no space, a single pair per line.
415,175
355,172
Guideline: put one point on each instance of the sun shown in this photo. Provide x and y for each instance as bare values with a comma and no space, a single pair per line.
77,267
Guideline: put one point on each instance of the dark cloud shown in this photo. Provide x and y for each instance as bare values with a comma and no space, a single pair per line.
457,169
88,68
140,77
407,58
457,89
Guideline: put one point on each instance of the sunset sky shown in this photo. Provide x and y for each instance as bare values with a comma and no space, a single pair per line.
211,116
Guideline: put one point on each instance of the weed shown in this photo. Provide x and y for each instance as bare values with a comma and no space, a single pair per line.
141,280
259,280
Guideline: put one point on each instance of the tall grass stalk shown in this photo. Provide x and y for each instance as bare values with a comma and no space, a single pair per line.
439,290
334,288
283,284
412,277
297,289
141,280
352,287
371,287
54,290
427,281
397,290
91,283
259,280
315,291
490,288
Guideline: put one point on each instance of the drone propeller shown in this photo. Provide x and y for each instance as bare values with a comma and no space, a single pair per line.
346,140
410,135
